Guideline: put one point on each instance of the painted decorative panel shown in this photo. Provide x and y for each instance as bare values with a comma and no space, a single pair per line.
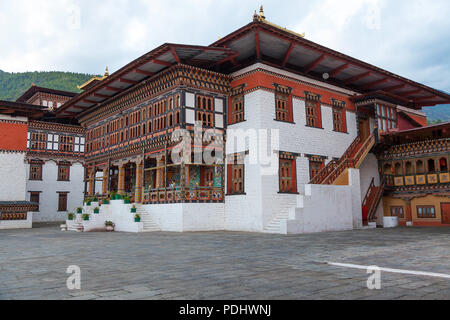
421,180
432,178
399,181
409,181
444,177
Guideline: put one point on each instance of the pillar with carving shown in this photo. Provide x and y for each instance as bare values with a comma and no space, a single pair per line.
139,182
105,182
408,212
91,179
121,182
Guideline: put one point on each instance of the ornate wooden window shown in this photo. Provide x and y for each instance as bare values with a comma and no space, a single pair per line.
35,170
283,103
426,212
420,167
288,176
398,212
35,197
236,174
387,117
339,116
66,144
37,141
237,110
313,110
316,163
62,201
64,172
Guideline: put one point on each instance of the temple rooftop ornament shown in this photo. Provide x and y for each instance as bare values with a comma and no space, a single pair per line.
261,17
94,80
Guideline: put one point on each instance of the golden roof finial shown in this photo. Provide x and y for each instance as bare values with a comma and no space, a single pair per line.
261,13
106,72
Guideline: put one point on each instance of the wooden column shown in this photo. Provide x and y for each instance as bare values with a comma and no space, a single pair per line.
91,173
408,211
139,182
105,183
121,182
159,173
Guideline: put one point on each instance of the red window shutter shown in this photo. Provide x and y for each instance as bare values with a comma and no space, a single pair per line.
230,111
319,115
290,109
230,179
294,176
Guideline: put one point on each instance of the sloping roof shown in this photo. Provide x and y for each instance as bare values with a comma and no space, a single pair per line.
21,109
269,43
141,69
263,41
419,131
34,89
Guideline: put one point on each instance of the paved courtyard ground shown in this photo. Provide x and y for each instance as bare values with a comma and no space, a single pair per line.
223,265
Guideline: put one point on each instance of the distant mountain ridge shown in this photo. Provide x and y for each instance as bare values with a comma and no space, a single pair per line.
13,85
436,113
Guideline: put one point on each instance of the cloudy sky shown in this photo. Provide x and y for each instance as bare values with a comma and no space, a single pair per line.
407,37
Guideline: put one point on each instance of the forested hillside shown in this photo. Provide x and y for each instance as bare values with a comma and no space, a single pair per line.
12,85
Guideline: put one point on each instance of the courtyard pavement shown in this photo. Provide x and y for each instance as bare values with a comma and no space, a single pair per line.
223,265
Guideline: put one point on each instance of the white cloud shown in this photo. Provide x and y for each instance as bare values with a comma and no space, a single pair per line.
406,37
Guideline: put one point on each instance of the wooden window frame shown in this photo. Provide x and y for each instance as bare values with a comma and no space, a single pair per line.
237,109
398,211
33,194
431,215
315,161
36,176
64,176
283,107
387,117
313,114
61,206
339,114
287,183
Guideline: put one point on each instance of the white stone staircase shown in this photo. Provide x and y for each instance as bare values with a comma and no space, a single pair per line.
274,225
149,223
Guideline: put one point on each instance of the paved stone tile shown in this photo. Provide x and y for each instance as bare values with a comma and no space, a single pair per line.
222,265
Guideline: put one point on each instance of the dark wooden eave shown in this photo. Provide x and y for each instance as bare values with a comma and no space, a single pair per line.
261,41
141,69
35,89
16,109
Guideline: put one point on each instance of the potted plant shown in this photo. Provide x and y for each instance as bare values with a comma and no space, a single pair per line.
70,216
127,200
85,217
79,210
137,218
97,210
95,199
106,201
109,226
133,209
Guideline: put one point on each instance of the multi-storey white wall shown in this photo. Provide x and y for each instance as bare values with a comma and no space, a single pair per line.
50,188
13,173
263,202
